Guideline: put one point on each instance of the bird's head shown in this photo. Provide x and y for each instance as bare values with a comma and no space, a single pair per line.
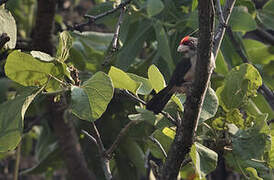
188,46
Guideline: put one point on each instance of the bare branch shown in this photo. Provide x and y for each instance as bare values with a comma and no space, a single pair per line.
266,35
120,136
219,34
90,137
92,19
155,141
101,149
117,30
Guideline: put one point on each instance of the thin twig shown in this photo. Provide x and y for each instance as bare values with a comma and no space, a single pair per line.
185,162
115,39
92,19
117,30
219,34
101,149
133,97
120,136
90,137
4,38
155,141
170,118
264,90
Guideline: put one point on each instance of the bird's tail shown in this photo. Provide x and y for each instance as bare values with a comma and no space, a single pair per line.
158,102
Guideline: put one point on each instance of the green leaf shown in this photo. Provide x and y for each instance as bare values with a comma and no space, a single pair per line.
157,82
210,105
42,56
194,5
12,114
163,45
266,15
154,7
240,83
204,159
96,40
145,87
145,115
221,64
80,103
156,78
241,20
122,80
90,101
8,26
258,53
253,173
234,116
249,144
65,43
28,71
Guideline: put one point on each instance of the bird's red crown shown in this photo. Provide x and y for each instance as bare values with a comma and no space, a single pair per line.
185,39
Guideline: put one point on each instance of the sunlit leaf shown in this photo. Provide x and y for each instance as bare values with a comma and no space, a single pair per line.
8,26
65,43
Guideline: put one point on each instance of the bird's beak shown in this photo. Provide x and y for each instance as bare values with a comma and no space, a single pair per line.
182,48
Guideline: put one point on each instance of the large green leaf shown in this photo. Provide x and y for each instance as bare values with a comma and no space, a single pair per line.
28,71
122,80
12,114
258,53
8,26
221,64
210,105
249,144
241,20
65,43
90,101
204,159
240,83
154,7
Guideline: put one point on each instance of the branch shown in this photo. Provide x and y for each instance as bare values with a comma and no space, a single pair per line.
120,136
101,149
264,90
4,38
266,35
155,141
185,132
219,34
92,19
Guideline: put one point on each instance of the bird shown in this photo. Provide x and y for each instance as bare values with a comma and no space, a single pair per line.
181,78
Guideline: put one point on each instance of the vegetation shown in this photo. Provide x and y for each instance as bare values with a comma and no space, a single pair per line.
74,96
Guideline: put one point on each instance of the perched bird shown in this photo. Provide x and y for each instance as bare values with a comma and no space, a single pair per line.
181,77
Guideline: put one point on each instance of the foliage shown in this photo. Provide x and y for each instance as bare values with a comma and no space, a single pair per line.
233,119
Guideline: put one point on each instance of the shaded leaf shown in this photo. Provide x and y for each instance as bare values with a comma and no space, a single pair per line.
145,87
90,101
12,114
154,7
204,159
